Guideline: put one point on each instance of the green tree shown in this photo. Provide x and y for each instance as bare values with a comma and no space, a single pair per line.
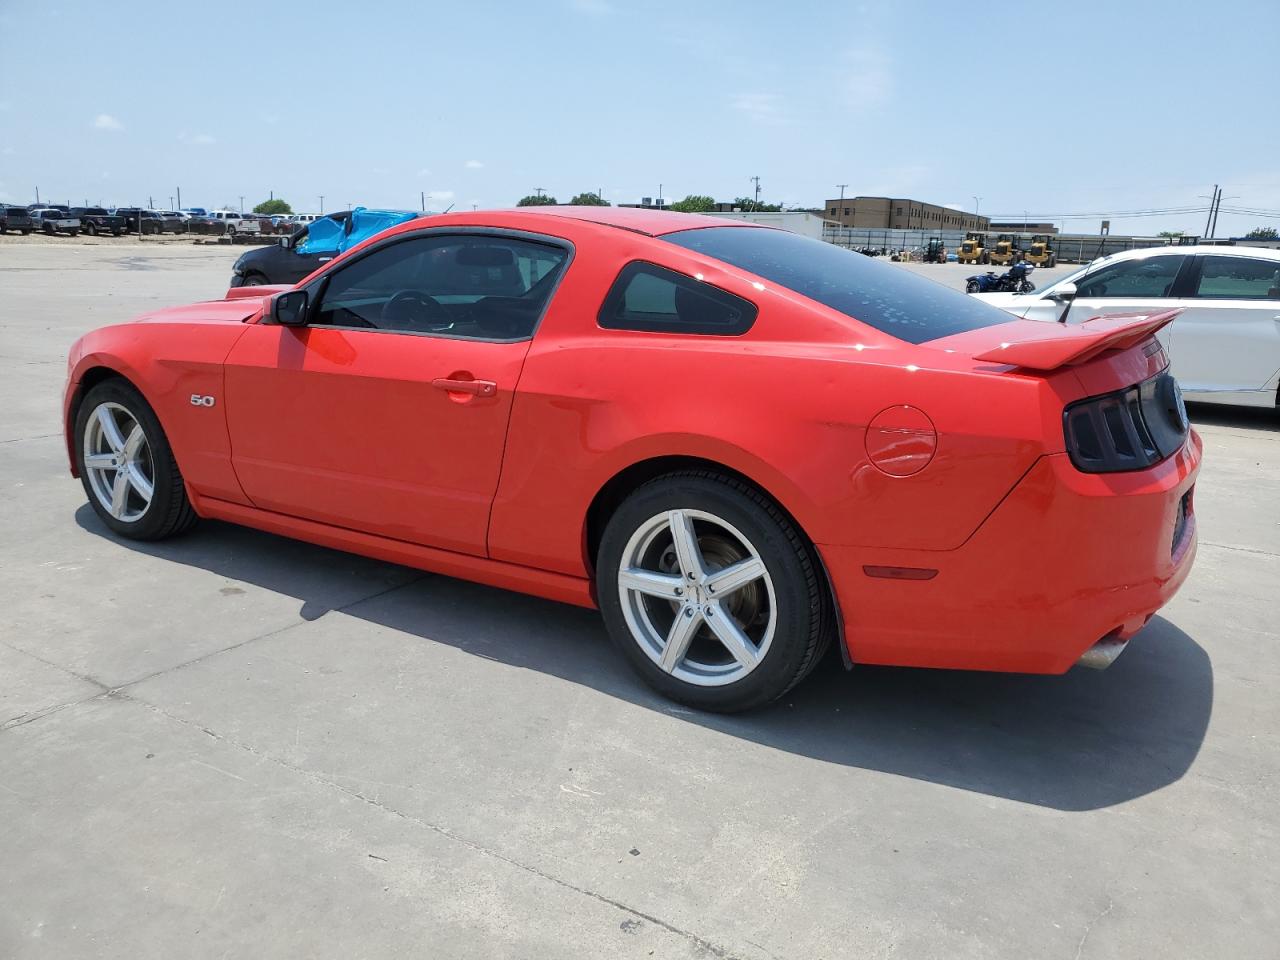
272,207
533,200
747,204
1261,233
694,203
589,200
1169,233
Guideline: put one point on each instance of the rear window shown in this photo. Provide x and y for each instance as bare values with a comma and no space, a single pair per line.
882,295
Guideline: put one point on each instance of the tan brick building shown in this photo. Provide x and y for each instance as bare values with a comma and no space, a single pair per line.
892,213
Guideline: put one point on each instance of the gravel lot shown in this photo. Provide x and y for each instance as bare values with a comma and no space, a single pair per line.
233,745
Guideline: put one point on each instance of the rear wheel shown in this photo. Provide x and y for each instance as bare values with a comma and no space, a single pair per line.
127,467
972,287
711,593
231,231
91,230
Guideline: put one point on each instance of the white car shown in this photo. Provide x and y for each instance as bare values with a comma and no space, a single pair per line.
1223,348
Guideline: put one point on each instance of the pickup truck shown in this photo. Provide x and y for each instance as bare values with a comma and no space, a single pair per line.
15,218
55,221
233,222
152,221
311,247
96,220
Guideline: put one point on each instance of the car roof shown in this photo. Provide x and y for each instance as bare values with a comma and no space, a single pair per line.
647,220
1201,249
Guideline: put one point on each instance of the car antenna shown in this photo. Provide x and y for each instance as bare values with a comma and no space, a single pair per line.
449,207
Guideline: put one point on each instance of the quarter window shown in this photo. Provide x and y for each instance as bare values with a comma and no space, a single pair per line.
1239,278
652,299
470,286
1149,278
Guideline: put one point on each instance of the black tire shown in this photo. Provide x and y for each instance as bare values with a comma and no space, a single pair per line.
115,233
231,231
972,287
75,233
170,511
25,233
803,610
48,229
254,280
91,230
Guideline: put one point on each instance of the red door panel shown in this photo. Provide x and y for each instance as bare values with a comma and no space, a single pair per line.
383,432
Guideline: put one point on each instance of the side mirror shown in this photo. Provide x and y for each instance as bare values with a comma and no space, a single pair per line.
1064,294
289,309
286,242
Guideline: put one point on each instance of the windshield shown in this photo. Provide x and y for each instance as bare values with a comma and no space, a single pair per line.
882,295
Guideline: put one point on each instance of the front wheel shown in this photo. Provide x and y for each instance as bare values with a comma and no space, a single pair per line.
91,230
231,231
1026,286
972,287
711,593
127,467
254,280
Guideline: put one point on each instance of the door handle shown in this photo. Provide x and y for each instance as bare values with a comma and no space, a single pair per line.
476,388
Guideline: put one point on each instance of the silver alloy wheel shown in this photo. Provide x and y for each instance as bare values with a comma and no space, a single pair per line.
697,597
117,459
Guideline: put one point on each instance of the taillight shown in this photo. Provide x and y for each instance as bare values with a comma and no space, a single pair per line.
1130,429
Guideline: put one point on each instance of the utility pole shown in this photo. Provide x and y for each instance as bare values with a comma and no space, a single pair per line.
322,203
659,194
977,202
1213,199
242,204
422,195
842,186
179,198
37,196
151,204
171,206
755,204
1217,205
537,191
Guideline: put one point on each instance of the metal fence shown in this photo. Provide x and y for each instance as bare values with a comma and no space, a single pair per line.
1069,248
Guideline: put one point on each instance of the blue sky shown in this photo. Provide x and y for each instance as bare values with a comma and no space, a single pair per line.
1115,106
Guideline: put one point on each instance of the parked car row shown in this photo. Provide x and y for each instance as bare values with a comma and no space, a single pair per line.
56,218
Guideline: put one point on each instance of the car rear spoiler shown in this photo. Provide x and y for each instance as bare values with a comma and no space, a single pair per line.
263,290
1048,346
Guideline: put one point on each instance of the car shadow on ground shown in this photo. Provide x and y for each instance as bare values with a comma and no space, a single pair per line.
1246,418
1082,741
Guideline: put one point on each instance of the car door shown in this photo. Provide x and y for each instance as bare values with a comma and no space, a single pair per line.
1136,285
387,411
1228,337
298,261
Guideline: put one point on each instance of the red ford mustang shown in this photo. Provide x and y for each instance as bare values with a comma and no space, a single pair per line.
738,443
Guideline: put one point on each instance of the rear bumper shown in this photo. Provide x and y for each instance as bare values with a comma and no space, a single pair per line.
1066,560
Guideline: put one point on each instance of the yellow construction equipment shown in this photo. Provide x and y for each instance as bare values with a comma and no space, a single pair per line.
1040,252
1006,250
973,249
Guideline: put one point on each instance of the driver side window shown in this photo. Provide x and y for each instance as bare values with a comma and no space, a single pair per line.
472,286
1147,279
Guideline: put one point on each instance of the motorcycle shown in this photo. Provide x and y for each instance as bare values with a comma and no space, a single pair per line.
1013,281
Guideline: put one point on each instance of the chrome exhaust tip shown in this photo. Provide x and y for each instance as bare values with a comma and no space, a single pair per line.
1102,654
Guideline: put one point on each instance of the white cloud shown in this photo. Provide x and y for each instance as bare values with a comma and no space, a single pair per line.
105,121
760,107
198,139
8,151
473,164
592,8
